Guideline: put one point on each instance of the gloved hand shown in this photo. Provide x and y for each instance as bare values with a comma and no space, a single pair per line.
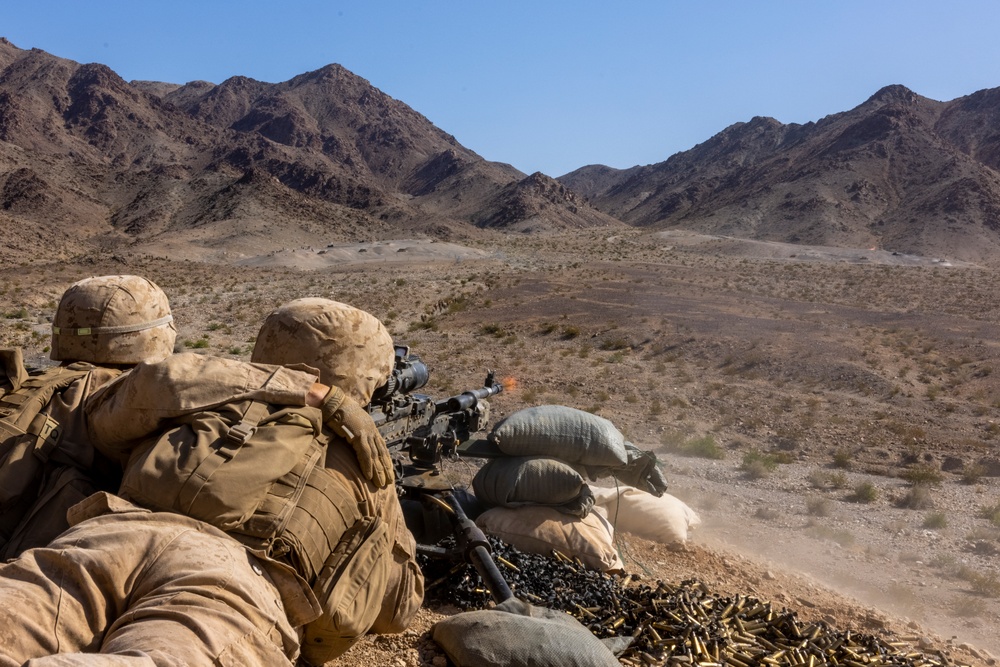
350,421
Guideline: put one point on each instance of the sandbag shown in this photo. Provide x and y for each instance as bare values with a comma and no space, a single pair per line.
533,480
539,530
664,519
517,634
561,432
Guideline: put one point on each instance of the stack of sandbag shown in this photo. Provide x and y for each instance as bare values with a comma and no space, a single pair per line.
537,490
664,519
516,481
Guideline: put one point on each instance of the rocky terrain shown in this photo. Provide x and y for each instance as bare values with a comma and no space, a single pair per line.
830,414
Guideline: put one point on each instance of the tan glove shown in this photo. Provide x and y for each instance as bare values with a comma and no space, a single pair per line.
350,421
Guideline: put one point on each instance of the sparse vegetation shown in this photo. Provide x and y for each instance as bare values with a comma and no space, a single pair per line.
917,497
842,459
922,474
991,513
703,447
818,507
865,493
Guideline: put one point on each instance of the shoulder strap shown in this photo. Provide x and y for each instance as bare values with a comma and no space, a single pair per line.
19,408
28,436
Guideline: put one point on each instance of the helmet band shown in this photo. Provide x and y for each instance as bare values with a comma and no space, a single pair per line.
125,328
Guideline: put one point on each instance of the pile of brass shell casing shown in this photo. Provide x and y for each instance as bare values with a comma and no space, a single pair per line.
682,625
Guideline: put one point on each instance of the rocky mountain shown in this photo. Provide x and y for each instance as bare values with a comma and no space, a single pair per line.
900,172
90,162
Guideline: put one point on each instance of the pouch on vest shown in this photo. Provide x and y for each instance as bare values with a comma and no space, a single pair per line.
237,466
28,436
350,588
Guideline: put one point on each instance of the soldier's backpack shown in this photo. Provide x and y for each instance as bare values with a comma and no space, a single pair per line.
29,437
256,471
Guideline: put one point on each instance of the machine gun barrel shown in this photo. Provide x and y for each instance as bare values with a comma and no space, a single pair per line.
469,399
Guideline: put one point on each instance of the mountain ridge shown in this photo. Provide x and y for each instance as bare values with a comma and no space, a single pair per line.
92,163
899,171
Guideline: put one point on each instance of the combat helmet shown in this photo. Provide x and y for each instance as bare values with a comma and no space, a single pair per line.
351,348
113,320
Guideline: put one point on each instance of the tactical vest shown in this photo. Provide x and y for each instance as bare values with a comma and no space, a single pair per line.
36,488
256,471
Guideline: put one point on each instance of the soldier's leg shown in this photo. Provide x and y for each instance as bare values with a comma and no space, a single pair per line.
152,589
203,600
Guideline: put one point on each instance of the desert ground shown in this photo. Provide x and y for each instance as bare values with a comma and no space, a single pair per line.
832,415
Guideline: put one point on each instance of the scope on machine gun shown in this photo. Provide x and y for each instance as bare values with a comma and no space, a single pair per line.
417,425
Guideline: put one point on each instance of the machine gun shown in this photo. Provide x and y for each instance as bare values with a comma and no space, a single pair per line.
420,433
415,425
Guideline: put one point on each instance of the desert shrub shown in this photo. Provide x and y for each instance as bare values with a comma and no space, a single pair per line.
818,507
767,513
842,459
865,493
917,497
704,447
963,607
935,521
494,330
991,513
19,314
986,584
547,328
973,473
570,332
819,479
758,465
838,480
429,324
922,474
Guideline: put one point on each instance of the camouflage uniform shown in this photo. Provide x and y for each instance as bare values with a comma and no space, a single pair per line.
354,352
152,395
155,588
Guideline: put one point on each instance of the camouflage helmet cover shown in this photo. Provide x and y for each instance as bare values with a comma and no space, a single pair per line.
351,348
113,320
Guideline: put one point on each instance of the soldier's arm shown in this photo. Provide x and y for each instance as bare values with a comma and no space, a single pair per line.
143,400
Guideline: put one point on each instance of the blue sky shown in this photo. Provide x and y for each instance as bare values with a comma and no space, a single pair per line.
550,86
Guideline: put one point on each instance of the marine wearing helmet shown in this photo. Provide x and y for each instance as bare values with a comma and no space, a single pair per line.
119,320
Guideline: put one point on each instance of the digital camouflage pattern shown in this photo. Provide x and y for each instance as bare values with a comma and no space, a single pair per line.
113,320
361,580
351,348
176,592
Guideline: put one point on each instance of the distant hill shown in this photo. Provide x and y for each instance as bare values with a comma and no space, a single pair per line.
899,172
92,163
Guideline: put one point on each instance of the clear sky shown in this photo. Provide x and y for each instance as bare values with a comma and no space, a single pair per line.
550,85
